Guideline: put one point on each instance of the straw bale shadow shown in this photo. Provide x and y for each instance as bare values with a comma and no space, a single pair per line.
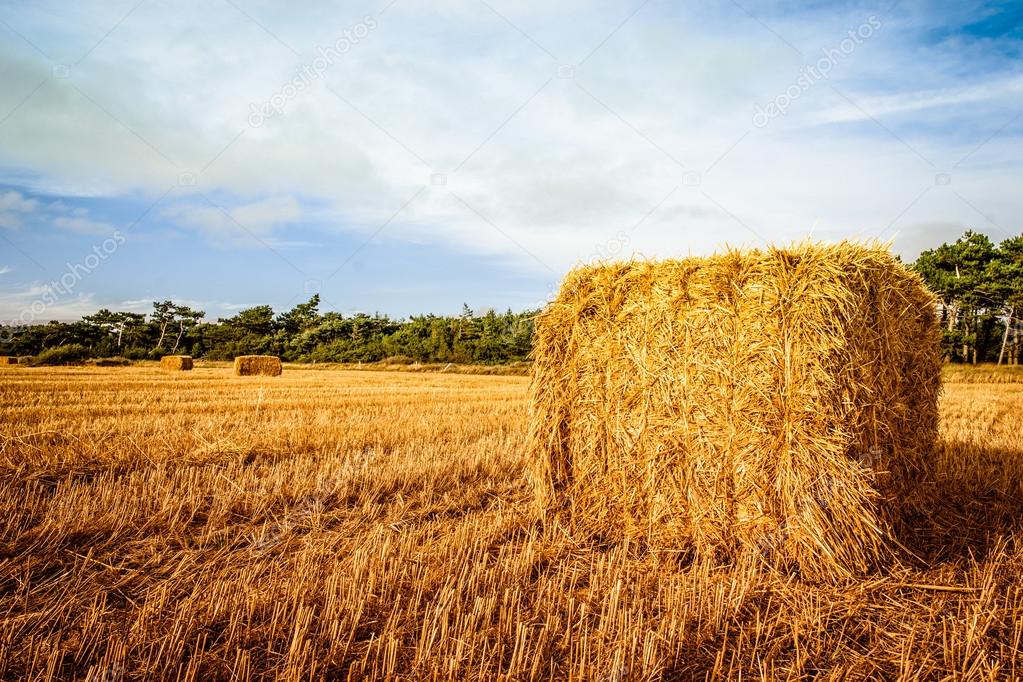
975,500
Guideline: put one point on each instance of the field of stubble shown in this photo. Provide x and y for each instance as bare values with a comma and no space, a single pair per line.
375,525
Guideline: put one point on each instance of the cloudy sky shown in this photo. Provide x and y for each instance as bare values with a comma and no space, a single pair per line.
406,156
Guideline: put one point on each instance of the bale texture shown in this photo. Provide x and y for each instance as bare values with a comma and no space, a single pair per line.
782,402
8,360
176,363
257,365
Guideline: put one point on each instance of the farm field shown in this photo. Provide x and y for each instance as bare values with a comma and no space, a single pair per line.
377,525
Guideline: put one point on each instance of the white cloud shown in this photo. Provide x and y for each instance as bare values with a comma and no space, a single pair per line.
11,221
4,269
997,89
13,208
16,201
252,222
37,303
557,171
268,213
83,225
16,208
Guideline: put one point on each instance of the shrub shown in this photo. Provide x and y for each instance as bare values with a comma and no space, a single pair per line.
71,354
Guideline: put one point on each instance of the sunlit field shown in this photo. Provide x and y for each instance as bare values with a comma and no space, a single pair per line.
377,525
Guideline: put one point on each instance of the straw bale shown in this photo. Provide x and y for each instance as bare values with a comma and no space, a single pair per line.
782,402
8,360
261,365
176,363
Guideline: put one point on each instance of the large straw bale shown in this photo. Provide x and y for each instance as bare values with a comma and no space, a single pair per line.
782,402
8,360
176,363
261,365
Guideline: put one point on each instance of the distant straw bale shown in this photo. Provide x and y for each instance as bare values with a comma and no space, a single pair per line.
176,363
8,360
261,365
781,401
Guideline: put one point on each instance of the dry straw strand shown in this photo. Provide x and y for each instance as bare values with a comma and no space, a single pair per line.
780,401
176,363
257,365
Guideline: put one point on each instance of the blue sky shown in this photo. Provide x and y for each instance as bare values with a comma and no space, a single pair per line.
405,157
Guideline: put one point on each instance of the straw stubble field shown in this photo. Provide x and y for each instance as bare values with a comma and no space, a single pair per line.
378,525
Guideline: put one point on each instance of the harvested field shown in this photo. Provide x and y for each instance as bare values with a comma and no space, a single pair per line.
378,525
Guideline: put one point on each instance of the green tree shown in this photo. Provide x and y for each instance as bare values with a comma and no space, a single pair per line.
258,320
300,318
958,274
162,317
186,318
1005,281
106,322
127,326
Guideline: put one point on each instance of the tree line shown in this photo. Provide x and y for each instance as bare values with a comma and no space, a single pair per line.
302,334
979,286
